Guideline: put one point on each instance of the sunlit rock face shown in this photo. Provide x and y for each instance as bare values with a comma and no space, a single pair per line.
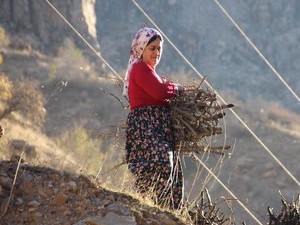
42,25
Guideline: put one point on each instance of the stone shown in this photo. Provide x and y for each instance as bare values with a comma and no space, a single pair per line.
72,186
152,222
110,218
6,182
59,200
19,201
34,204
122,209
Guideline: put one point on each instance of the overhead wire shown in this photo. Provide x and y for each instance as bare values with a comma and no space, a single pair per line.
197,72
83,39
112,69
74,29
257,50
219,96
227,189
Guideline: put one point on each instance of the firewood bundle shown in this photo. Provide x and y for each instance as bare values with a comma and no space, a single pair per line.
290,213
196,114
207,212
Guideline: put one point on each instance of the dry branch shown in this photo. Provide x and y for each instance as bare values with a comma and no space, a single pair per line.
207,212
196,114
290,213
1,131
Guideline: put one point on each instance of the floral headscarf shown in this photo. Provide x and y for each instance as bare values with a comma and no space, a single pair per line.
138,46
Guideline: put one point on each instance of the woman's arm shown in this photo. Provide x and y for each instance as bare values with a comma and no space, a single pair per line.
150,82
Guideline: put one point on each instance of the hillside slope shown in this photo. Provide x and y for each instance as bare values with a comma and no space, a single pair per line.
45,196
83,128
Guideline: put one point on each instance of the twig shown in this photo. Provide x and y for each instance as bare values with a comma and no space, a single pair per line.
111,94
115,167
14,182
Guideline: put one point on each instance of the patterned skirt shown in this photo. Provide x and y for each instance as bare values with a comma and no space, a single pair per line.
151,157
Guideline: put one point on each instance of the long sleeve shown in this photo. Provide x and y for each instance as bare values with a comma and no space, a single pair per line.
147,88
151,83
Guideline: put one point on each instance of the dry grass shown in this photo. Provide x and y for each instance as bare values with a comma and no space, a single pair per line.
53,155
48,153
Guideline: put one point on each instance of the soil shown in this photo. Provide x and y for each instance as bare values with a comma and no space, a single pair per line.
44,196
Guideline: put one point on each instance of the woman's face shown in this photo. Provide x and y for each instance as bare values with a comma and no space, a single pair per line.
151,54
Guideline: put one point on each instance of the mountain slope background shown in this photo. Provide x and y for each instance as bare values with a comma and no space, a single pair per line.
82,130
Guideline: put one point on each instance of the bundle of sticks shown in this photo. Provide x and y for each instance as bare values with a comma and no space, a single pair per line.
196,113
289,215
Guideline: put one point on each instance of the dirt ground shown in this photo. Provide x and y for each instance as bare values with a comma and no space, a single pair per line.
40,195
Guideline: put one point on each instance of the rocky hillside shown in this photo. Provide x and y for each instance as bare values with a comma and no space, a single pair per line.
44,196
82,132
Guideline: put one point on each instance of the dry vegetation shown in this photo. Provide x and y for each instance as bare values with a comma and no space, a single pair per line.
22,97
80,134
289,214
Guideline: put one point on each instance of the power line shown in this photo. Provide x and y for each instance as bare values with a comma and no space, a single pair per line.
227,189
74,29
197,72
112,69
220,97
83,39
91,47
258,51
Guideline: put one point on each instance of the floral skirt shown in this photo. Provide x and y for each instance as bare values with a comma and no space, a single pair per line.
151,157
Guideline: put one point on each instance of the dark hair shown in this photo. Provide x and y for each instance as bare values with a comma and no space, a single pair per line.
154,38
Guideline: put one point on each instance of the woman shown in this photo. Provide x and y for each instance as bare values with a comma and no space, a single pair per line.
150,146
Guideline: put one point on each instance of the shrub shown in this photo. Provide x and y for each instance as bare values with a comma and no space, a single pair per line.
72,62
6,88
4,38
84,150
23,97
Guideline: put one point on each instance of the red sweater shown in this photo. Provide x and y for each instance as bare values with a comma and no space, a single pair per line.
147,88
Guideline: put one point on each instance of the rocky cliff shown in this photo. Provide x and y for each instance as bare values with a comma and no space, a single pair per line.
35,24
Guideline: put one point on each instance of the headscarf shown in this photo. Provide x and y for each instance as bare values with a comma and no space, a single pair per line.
138,46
